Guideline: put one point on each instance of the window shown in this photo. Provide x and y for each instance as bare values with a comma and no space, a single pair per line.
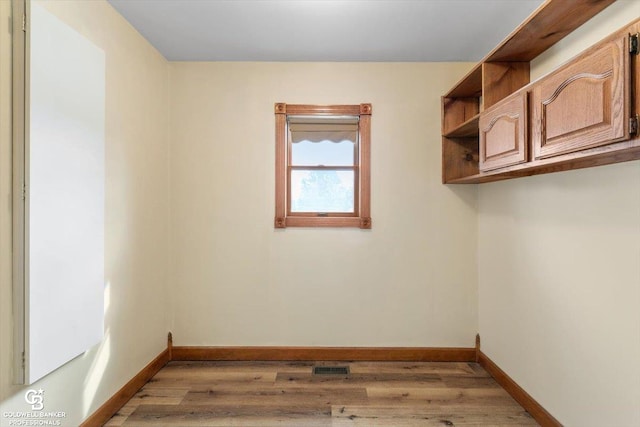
322,165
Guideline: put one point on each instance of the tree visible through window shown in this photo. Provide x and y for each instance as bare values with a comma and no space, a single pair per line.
322,165
322,191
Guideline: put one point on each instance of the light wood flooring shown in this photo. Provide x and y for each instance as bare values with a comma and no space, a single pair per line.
287,394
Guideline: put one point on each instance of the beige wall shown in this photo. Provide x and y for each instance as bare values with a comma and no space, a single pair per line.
410,281
136,233
559,275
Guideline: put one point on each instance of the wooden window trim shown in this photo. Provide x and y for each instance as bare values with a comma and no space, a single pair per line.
362,216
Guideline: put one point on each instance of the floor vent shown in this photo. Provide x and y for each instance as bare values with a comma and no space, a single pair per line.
330,370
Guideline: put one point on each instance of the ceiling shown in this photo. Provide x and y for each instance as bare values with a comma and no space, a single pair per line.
325,30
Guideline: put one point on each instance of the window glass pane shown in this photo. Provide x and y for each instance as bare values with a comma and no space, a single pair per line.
325,153
322,191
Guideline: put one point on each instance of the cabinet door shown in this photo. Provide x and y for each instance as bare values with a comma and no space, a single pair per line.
503,133
584,104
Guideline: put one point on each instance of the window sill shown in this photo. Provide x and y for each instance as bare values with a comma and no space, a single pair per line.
356,222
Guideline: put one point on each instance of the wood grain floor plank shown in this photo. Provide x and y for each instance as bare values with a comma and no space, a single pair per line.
116,421
292,379
159,396
121,416
211,373
440,397
478,370
455,381
420,416
211,377
147,395
258,394
276,396
436,368
247,416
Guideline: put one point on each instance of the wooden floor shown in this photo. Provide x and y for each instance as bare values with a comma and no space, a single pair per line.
287,394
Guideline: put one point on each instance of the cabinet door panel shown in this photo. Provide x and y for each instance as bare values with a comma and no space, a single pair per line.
585,104
503,133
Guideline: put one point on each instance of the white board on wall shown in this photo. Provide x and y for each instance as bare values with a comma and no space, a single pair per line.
65,195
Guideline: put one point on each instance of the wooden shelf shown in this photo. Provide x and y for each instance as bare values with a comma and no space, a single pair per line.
615,153
470,86
550,23
466,129
504,71
547,25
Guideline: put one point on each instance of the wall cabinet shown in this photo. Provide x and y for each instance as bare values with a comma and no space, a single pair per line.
585,103
503,133
497,125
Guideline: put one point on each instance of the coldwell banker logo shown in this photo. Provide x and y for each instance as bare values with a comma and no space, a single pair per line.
35,399
36,416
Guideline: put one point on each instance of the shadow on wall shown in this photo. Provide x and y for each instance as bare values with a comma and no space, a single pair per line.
466,193
58,390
